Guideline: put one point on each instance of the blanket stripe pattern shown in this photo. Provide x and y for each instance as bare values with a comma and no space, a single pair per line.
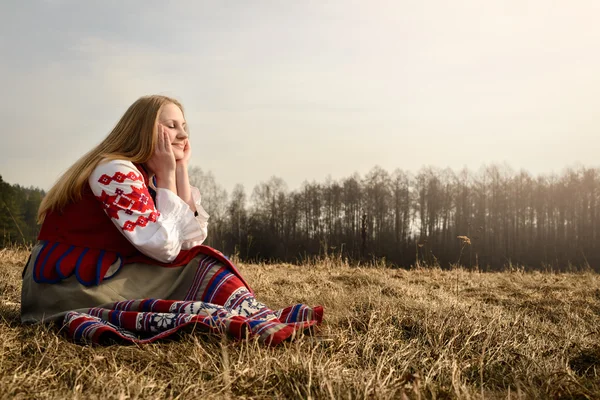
148,320
217,301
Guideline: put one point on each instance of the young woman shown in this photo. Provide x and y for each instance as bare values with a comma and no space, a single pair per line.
120,254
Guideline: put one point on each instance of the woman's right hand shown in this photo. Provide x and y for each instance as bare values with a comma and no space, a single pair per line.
162,162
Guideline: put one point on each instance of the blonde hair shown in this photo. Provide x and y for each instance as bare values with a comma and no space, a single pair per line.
132,139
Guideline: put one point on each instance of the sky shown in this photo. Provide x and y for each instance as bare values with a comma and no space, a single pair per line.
306,90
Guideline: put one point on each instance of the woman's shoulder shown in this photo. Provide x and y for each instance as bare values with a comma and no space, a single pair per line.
118,170
115,163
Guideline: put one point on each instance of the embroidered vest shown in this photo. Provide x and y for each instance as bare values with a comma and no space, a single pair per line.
82,240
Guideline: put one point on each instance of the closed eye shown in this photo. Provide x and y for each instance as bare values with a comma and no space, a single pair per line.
172,124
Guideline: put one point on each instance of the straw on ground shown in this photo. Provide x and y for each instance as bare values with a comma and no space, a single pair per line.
392,334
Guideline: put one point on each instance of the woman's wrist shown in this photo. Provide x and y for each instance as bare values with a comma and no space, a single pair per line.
181,177
181,167
167,182
183,185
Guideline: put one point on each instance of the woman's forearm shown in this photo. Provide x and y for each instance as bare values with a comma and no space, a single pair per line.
167,182
183,185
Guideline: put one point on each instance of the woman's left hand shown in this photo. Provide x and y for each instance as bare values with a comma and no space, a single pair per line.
187,152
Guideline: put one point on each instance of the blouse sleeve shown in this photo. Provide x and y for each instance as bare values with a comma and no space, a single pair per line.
157,230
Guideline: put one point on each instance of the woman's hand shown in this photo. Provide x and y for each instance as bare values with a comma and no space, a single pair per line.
187,152
163,162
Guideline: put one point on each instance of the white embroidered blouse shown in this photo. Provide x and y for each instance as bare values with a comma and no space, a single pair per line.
158,230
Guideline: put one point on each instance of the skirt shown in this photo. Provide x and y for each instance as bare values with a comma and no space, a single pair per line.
143,303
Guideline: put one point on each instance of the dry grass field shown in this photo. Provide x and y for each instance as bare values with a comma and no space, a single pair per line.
405,334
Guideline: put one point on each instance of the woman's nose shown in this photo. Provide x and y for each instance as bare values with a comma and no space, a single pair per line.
182,134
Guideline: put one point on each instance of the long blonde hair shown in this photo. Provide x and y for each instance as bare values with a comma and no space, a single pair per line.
132,139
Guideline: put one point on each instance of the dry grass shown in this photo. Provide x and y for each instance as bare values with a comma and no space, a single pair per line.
395,334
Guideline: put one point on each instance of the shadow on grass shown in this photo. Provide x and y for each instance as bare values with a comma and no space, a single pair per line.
10,315
587,362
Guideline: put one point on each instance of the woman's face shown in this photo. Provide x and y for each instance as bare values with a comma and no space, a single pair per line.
172,119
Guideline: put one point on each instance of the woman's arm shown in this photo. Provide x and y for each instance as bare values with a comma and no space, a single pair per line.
191,196
159,229
183,185
182,178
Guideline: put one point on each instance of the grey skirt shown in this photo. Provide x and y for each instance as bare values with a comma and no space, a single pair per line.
51,301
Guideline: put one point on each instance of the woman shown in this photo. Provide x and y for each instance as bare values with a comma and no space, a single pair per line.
120,253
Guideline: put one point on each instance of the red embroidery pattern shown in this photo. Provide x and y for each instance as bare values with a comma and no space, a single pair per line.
141,221
120,177
138,201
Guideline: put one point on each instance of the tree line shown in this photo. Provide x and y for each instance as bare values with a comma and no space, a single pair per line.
18,213
490,219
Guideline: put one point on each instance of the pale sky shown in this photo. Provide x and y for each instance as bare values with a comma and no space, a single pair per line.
306,89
